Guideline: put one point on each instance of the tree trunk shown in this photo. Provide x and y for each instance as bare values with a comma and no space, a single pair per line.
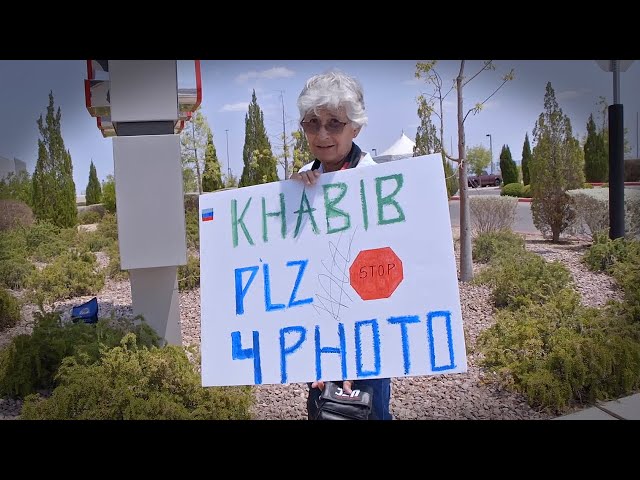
198,174
466,266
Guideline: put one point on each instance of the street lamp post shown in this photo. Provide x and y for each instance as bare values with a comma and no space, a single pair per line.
491,150
228,169
616,149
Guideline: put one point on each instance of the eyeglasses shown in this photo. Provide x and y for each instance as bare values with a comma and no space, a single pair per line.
333,126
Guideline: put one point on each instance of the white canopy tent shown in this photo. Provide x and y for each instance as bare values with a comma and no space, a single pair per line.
402,148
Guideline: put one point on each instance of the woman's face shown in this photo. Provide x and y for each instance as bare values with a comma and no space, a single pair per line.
330,134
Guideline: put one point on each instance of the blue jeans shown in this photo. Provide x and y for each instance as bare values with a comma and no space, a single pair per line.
381,398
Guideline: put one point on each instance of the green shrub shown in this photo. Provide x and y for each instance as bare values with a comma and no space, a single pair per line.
113,269
14,213
46,241
9,310
87,217
627,274
93,241
604,252
108,227
560,354
192,223
15,272
512,190
587,185
40,232
527,279
30,362
13,243
486,246
69,275
526,191
189,274
15,268
133,383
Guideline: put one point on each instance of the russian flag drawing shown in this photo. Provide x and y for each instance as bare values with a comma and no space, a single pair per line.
207,214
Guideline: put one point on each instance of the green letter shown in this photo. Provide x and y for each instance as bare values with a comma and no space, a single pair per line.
388,200
329,206
307,209
281,213
235,220
363,199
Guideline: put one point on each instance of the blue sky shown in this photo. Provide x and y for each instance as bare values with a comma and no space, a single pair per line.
390,95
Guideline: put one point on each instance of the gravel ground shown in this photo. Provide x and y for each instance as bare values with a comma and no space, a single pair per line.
470,395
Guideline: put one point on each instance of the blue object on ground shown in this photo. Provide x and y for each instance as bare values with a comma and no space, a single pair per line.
87,312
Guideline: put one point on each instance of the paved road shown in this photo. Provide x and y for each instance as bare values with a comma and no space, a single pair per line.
522,224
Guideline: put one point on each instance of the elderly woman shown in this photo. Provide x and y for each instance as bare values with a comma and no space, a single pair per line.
332,114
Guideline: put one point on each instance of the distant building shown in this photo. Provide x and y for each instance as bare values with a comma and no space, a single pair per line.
402,148
8,166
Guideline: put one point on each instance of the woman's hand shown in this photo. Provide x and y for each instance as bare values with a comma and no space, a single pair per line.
308,177
346,385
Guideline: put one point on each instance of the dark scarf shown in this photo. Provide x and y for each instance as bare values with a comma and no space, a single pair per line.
353,157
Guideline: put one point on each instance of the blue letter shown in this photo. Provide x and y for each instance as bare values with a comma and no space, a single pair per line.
239,353
376,348
286,351
342,351
240,290
405,339
267,291
292,301
447,317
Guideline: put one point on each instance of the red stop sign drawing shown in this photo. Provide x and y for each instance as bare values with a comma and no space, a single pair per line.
376,273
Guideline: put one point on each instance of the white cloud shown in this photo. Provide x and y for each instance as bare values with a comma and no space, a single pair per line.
450,105
235,107
269,74
571,94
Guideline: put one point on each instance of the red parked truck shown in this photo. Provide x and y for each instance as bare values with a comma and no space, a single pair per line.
484,180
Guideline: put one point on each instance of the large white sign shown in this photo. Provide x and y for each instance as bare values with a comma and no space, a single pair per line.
351,278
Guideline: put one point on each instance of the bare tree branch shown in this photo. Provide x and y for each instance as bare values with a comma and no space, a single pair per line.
487,66
457,160
478,107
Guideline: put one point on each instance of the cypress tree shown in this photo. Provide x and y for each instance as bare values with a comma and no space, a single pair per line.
596,158
54,191
211,178
260,164
557,165
508,166
93,193
526,160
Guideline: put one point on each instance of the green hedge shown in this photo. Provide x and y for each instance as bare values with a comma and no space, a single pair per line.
130,382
